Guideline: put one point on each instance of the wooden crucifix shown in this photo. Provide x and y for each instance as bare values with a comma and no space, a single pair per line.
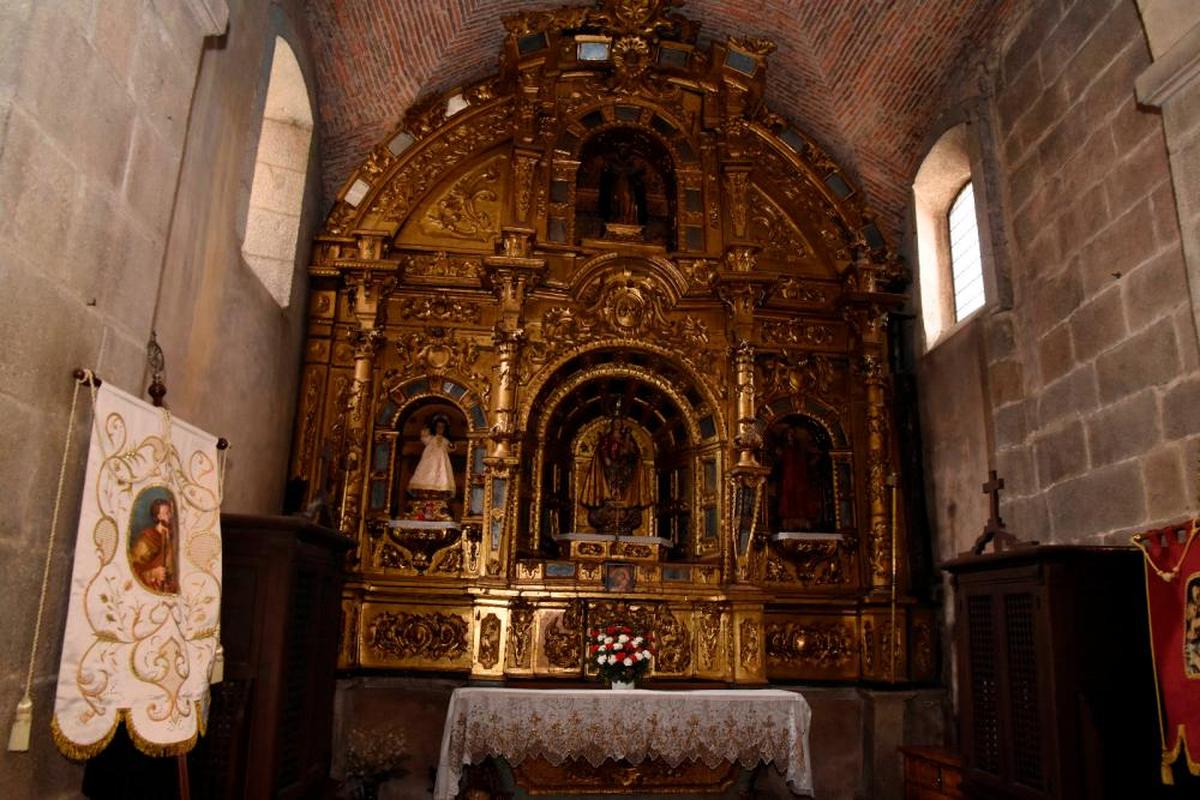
995,531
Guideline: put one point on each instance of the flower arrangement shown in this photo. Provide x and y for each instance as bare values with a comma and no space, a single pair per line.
622,655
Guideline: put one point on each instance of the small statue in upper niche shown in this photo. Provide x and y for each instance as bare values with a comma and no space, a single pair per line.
625,188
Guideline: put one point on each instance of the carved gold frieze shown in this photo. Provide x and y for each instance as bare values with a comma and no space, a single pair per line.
470,208
442,265
436,351
798,332
709,630
520,636
796,375
489,641
771,225
439,309
418,173
650,778
750,644
400,635
564,639
821,645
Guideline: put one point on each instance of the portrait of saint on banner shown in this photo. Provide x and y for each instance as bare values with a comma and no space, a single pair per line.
1191,628
154,540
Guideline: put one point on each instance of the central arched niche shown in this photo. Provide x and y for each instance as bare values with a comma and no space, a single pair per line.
625,188
624,396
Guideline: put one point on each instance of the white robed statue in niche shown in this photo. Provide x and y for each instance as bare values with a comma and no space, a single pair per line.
432,483
434,472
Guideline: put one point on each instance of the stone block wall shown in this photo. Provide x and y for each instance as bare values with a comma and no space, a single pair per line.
124,129
1090,380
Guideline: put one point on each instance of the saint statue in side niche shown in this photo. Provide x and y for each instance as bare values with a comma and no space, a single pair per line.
432,483
802,481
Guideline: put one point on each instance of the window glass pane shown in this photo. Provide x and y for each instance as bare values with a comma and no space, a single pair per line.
592,51
966,267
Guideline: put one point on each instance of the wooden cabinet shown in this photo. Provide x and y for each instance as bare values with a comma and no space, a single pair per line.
269,732
931,773
1055,682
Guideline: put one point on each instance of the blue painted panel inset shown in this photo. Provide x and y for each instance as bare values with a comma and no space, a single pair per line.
710,522
560,569
497,529
677,573
386,413
478,418
499,491
708,427
475,506
741,62
378,495
383,455
419,386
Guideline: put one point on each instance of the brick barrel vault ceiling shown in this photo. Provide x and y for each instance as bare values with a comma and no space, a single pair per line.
863,77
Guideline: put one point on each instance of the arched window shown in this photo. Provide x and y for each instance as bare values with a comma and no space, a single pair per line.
280,171
966,265
951,246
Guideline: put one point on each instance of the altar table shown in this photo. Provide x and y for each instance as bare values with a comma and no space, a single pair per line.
746,727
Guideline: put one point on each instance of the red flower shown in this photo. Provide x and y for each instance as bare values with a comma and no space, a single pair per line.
611,629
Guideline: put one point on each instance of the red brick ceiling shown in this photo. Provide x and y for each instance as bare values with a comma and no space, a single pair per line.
863,77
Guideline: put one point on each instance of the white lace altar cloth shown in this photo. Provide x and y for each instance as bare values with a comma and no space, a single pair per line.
743,726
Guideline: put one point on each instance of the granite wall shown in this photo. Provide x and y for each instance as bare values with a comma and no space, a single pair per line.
127,136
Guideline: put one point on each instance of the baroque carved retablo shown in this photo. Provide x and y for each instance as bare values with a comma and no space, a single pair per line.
604,338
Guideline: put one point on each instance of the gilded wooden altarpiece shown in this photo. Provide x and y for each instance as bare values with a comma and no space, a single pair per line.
612,252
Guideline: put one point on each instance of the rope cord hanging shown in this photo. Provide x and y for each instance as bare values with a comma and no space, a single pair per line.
18,738
1139,541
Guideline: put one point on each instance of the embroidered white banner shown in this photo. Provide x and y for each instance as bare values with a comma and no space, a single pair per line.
144,617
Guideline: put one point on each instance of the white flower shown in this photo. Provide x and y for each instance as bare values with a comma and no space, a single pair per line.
622,638
612,659
628,662
601,659
618,646
640,656
638,640
600,637
608,640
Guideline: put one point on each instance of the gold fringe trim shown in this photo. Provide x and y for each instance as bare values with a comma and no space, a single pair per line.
1169,757
81,752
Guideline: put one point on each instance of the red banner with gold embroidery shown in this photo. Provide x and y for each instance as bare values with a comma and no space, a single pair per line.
1173,597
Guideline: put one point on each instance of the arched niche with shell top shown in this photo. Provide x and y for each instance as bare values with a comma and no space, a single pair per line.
637,285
